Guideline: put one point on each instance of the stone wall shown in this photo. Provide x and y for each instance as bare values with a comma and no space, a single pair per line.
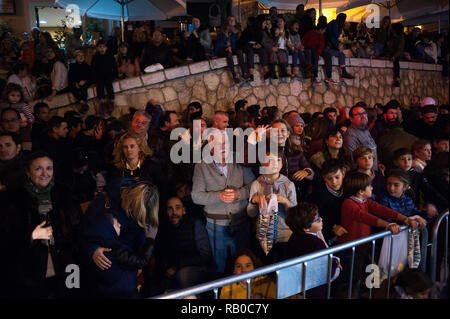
209,82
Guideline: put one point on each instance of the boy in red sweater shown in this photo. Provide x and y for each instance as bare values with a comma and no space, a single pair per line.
358,210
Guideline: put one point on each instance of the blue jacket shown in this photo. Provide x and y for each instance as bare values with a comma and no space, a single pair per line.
120,280
223,39
333,34
404,205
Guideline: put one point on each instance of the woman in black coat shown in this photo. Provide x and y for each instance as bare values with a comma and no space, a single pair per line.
40,223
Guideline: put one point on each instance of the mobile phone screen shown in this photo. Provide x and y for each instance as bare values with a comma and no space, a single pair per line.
191,27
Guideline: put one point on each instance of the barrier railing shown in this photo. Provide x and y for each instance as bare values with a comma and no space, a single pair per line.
433,262
289,272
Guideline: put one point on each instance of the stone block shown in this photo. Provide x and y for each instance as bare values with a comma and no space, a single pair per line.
130,83
429,67
153,78
178,72
438,67
59,100
360,62
403,65
199,67
211,80
169,94
218,63
416,66
116,87
377,63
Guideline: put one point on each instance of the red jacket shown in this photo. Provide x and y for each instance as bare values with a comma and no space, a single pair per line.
313,39
357,218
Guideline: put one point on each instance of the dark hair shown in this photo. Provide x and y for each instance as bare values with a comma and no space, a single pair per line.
331,166
392,104
329,110
340,19
319,128
414,281
400,174
165,117
55,121
91,121
100,42
272,113
253,109
428,109
402,151
12,87
33,156
197,105
19,66
70,114
354,182
74,122
359,104
247,252
39,106
14,136
306,117
299,217
80,157
239,104
9,109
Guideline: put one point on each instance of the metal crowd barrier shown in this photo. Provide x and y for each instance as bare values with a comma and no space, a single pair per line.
310,270
434,247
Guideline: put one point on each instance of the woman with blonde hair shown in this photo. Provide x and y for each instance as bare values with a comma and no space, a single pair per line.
119,230
133,161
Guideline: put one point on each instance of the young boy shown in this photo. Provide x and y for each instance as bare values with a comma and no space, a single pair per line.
104,71
306,223
273,183
422,189
79,77
364,159
328,197
358,210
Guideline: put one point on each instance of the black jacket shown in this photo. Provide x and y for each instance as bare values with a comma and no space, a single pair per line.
329,209
104,67
79,72
157,54
182,246
27,260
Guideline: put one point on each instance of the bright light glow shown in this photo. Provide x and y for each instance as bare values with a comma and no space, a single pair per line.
43,21
419,26
330,14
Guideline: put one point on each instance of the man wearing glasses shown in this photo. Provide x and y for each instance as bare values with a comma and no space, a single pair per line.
10,120
358,133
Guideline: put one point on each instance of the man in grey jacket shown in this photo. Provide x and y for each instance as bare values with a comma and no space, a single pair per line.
223,188
358,133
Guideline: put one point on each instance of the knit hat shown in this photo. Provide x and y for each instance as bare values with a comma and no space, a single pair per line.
428,101
294,118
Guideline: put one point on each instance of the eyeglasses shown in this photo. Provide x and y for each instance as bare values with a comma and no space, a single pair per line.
6,121
315,220
361,114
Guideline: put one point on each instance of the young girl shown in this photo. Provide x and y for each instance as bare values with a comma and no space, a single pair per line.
295,164
421,151
13,97
396,198
128,66
359,212
262,287
268,185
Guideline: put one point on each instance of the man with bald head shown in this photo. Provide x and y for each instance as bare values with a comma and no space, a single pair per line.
140,124
220,120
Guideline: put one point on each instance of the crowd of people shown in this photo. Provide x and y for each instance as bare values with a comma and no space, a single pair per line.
106,194
288,46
